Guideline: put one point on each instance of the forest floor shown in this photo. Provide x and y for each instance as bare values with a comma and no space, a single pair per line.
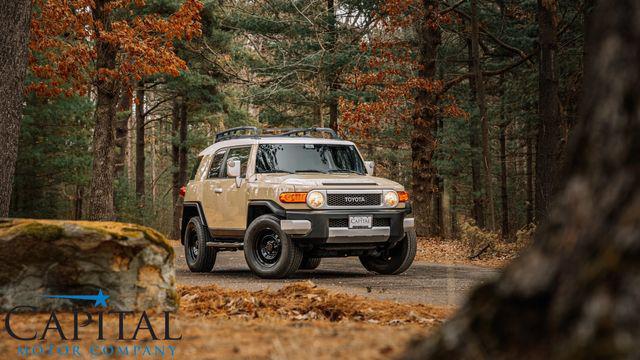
454,251
337,311
297,321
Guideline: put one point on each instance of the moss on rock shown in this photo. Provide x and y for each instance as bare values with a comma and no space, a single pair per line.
41,257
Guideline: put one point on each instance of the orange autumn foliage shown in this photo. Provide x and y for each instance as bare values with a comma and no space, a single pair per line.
391,74
64,34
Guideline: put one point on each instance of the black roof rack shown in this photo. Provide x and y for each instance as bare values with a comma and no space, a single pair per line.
304,132
254,132
236,133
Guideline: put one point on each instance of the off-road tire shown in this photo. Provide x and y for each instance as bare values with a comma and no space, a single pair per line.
289,258
310,263
393,261
205,258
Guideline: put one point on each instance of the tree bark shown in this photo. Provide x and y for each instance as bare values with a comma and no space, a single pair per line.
179,158
474,143
332,76
15,17
122,129
425,123
504,190
101,205
482,108
550,132
140,155
504,195
530,186
574,293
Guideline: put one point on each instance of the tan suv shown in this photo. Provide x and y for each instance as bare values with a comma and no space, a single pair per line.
289,199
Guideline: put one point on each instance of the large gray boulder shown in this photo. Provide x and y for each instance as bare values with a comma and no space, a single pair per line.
131,264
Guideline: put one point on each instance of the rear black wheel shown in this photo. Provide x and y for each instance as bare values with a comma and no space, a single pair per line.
310,263
269,252
395,260
200,257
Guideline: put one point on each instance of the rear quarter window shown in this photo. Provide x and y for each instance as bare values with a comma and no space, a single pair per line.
196,166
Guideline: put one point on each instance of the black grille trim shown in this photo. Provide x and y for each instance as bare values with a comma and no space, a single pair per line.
355,199
339,223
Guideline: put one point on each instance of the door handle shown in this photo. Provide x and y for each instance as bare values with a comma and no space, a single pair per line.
217,190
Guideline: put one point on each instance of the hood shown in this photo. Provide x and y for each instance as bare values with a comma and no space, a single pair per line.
307,182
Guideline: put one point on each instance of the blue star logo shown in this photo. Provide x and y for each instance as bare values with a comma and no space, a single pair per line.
100,299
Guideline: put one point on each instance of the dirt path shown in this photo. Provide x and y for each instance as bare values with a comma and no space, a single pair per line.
422,283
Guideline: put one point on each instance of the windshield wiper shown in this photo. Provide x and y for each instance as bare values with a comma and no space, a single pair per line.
273,171
345,171
311,170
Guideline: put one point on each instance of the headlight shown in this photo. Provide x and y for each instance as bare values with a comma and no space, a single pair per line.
315,199
391,199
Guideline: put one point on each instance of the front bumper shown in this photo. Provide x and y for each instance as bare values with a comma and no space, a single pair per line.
319,226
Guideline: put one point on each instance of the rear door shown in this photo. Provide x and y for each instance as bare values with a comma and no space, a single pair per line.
212,202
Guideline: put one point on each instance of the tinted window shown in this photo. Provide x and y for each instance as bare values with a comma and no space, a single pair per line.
241,154
216,164
308,158
194,171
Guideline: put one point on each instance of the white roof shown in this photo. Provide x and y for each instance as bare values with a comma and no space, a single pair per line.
271,140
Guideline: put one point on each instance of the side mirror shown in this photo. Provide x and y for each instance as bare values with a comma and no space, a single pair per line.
369,165
233,168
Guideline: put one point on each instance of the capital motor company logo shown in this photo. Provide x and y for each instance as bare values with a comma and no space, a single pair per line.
51,338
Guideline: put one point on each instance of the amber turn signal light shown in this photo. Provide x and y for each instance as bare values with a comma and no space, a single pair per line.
403,196
293,197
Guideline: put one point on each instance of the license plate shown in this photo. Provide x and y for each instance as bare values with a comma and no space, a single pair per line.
360,222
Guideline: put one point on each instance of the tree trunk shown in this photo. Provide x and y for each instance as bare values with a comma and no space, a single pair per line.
454,215
474,143
101,205
504,195
154,163
122,129
77,203
550,131
530,190
15,17
332,76
317,113
140,155
425,123
574,293
482,107
179,158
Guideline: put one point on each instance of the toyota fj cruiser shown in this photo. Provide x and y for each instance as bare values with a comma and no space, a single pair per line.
289,199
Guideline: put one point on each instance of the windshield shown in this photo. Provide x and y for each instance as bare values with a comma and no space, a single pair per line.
297,158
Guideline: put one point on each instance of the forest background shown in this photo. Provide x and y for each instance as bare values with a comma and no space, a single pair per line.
469,103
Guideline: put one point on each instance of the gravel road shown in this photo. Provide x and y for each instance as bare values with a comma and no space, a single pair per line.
422,283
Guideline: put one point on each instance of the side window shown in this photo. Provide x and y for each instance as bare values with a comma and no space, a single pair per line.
197,164
242,154
216,165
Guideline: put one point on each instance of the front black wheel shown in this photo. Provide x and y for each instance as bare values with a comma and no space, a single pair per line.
200,257
269,252
395,260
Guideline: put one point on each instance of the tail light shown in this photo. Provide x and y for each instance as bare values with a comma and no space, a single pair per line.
183,191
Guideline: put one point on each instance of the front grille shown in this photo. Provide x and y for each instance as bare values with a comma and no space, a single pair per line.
381,222
339,223
354,199
344,222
